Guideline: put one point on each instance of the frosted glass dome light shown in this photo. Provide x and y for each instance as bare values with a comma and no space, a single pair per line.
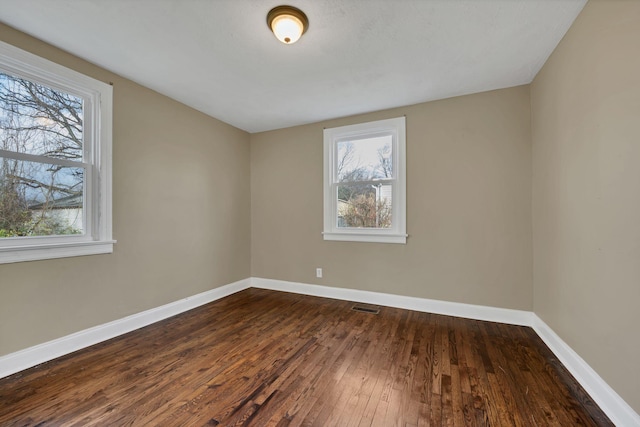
287,23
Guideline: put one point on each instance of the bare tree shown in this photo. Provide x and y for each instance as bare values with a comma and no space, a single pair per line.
364,211
52,119
39,121
346,157
385,165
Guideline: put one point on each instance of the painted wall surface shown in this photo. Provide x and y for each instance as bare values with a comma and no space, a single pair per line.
469,206
586,192
181,218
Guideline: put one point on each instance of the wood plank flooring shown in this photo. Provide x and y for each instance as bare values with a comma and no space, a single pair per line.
266,358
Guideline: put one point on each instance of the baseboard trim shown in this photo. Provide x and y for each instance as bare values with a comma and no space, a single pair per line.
620,413
33,356
469,311
609,401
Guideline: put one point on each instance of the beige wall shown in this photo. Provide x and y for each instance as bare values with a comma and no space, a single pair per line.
469,206
586,192
181,218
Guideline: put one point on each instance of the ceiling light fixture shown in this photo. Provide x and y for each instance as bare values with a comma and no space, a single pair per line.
287,23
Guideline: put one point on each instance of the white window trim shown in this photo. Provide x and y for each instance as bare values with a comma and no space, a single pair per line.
97,238
398,232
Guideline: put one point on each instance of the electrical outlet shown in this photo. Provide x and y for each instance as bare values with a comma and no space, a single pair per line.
318,272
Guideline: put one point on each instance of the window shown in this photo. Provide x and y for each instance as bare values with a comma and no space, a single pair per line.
55,160
364,182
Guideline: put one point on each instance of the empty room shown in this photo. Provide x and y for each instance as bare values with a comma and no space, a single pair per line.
319,212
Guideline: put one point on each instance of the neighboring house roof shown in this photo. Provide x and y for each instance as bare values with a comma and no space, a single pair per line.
70,202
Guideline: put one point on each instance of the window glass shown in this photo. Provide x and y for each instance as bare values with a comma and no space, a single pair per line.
41,136
364,168
36,119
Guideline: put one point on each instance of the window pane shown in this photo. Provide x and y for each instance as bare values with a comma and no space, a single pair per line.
365,159
364,205
35,119
40,199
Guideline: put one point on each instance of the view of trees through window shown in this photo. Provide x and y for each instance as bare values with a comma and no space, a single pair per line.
365,170
41,159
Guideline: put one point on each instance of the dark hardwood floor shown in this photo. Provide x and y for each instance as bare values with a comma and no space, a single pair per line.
269,358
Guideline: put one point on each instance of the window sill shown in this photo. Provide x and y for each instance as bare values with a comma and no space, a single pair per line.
366,237
9,254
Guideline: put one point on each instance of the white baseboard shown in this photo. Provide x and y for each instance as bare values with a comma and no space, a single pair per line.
469,311
32,356
607,399
620,413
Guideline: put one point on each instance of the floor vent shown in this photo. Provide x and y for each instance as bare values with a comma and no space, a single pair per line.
365,309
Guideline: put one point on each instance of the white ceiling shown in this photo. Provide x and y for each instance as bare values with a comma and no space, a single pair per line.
219,57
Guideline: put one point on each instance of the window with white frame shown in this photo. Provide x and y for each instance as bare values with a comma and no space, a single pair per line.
55,160
365,182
